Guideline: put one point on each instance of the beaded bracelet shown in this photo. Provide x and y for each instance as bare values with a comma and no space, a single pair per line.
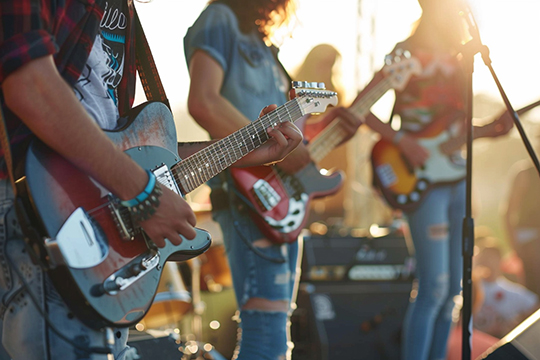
144,205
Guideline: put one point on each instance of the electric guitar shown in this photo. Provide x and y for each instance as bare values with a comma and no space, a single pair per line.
403,186
280,201
103,265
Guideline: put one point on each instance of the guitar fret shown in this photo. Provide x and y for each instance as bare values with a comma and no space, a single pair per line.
198,168
252,133
333,134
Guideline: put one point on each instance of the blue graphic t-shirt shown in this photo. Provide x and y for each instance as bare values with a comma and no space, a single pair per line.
96,88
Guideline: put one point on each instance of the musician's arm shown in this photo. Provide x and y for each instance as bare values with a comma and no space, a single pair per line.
220,118
39,96
414,153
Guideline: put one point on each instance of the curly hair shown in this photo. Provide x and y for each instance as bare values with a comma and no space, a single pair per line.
266,15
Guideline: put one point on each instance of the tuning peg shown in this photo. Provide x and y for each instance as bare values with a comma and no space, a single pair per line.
297,84
321,86
388,59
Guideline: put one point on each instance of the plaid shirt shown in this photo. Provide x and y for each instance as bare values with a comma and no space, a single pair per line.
66,29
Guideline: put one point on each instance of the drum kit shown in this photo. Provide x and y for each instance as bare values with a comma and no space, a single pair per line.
180,309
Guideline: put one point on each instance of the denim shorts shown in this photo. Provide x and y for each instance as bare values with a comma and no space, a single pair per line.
26,335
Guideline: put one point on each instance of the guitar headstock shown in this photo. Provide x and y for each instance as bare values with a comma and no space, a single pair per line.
312,97
399,67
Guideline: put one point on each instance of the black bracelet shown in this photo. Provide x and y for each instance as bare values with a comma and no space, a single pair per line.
145,209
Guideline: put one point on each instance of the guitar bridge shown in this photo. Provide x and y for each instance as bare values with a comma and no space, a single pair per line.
122,219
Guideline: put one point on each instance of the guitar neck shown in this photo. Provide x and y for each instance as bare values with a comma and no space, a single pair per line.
334,134
200,167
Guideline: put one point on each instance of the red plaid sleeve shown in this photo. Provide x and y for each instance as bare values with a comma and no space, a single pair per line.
24,34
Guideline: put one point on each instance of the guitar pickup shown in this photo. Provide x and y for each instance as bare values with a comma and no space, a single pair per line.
164,176
265,195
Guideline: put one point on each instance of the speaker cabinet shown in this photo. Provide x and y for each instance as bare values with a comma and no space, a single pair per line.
522,343
359,320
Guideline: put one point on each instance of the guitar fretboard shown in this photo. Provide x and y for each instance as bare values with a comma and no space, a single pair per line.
334,133
200,167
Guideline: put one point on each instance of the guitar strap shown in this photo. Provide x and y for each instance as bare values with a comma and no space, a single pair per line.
146,67
4,139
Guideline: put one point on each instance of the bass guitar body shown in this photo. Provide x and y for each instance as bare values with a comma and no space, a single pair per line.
280,201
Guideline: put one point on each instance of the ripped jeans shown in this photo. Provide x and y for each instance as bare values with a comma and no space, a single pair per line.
436,233
264,334
24,332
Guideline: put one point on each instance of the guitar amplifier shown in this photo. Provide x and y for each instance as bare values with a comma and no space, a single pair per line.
352,299
349,258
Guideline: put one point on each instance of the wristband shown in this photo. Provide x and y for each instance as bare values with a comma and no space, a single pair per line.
397,137
144,205
144,194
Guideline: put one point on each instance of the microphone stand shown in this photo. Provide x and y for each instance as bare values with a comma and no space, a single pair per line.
470,49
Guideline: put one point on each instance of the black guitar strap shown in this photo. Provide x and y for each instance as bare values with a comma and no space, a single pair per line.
146,67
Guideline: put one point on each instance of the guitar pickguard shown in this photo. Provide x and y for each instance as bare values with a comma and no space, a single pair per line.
294,218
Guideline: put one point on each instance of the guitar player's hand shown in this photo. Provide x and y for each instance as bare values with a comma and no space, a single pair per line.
414,153
296,160
283,139
173,216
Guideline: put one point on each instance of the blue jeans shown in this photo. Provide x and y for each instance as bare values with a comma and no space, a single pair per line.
436,233
265,334
24,332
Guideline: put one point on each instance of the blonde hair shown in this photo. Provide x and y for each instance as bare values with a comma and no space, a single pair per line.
322,64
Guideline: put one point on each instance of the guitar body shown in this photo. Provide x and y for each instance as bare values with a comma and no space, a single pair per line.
404,188
281,201
105,279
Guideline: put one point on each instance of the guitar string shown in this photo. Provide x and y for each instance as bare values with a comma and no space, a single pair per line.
328,139
239,148
190,181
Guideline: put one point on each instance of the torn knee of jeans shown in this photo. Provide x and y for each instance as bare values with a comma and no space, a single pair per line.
438,232
262,243
266,305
